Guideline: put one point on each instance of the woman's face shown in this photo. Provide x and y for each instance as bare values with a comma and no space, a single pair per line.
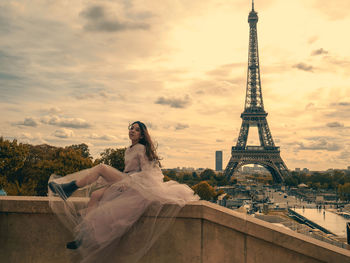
134,133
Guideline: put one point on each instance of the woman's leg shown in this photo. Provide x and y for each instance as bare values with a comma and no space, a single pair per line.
108,173
90,175
96,196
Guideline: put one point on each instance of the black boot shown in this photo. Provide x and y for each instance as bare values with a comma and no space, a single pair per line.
63,190
74,244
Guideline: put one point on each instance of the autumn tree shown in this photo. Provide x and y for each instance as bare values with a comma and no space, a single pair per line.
344,191
204,190
166,178
13,156
113,157
47,160
25,169
83,148
207,174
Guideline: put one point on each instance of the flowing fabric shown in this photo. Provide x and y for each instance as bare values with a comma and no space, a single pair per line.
136,207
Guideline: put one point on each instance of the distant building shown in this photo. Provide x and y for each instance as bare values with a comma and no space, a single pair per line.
348,167
297,169
218,160
184,169
305,170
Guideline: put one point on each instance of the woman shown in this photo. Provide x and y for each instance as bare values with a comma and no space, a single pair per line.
110,228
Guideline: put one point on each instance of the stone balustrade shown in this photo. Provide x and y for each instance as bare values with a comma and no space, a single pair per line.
202,233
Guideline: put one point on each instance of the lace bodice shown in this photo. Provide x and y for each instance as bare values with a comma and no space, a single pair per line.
136,159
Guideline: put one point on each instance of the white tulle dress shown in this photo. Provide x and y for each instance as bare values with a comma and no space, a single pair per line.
135,209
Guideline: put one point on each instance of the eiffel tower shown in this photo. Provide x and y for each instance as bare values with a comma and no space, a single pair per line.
254,115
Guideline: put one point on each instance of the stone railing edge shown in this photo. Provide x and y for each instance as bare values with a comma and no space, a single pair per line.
208,211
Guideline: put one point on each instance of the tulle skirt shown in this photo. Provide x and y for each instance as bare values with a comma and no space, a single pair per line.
132,213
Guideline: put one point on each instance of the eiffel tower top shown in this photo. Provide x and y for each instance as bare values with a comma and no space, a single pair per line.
253,101
253,16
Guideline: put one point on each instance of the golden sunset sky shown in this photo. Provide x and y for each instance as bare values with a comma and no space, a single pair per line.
80,71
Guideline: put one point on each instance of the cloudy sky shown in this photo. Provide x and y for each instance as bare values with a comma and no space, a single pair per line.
80,71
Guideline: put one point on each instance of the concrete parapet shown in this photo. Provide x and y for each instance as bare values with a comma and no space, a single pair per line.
202,233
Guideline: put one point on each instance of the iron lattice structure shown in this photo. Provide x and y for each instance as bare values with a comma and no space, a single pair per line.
267,154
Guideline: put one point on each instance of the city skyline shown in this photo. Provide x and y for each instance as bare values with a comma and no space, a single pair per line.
80,72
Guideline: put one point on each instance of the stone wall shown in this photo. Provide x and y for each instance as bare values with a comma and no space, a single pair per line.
202,233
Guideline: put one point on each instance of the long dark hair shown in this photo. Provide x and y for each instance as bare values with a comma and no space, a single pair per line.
151,151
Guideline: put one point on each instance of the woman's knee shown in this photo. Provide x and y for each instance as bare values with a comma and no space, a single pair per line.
96,196
101,167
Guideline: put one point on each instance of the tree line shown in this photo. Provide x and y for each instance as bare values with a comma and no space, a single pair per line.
334,180
25,169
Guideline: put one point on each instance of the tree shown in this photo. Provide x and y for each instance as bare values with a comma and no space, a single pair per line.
194,175
187,177
170,173
113,157
27,188
207,174
25,169
292,180
166,178
12,158
204,190
83,148
221,179
44,160
344,191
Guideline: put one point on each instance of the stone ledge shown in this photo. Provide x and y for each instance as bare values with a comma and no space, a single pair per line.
278,236
222,217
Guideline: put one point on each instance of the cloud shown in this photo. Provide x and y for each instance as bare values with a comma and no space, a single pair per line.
217,87
343,104
180,126
334,10
52,110
335,125
340,110
102,137
344,155
76,123
174,102
35,138
99,21
84,96
26,136
151,125
312,39
341,62
319,143
304,67
7,76
224,70
63,133
320,51
30,122
310,106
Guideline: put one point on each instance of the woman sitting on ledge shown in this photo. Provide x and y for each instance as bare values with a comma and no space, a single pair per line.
111,228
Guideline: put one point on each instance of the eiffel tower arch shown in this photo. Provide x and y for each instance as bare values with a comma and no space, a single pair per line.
254,115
